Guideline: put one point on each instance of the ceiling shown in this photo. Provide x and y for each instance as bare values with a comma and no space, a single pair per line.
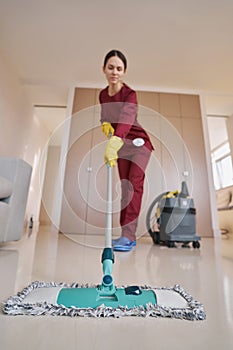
173,45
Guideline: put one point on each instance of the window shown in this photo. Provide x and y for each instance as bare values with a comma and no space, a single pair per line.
222,166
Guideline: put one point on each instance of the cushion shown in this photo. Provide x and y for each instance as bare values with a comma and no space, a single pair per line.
224,198
6,187
231,201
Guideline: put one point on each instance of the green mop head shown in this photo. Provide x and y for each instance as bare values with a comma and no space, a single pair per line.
41,298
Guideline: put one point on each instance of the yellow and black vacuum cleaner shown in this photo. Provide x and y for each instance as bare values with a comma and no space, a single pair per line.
171,219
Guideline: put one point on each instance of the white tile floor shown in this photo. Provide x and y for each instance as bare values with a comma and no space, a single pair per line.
207,274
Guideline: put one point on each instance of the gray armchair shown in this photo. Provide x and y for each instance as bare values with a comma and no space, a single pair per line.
15,175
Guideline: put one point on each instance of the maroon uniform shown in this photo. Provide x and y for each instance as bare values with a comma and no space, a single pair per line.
121,111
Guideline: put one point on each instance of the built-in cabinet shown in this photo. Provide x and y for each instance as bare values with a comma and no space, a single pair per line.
175,127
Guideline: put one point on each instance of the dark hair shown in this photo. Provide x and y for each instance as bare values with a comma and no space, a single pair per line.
117,53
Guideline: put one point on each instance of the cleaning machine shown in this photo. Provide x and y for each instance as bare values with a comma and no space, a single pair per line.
171,218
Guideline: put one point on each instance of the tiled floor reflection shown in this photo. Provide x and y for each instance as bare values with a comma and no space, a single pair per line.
46,255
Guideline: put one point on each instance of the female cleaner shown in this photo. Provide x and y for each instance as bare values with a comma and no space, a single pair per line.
129,145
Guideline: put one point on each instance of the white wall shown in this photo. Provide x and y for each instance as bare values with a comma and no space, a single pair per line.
230,134
217,129
21,134
50,184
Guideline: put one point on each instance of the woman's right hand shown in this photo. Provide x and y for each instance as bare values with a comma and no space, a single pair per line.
113,146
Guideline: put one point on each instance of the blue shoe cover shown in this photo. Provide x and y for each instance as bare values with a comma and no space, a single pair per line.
123,244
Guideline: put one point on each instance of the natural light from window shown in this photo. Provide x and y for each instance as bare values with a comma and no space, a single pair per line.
222,166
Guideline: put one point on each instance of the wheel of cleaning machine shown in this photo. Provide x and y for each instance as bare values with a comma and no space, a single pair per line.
196,244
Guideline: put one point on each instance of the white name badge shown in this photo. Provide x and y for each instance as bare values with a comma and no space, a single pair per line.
138,142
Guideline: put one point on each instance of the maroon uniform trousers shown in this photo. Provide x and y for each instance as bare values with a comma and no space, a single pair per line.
132,163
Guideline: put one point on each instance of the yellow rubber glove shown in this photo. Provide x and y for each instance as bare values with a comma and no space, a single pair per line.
107,129
113,146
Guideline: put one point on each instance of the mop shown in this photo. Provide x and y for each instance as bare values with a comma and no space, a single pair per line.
104,300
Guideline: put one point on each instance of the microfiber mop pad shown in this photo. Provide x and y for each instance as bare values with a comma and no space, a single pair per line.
172,302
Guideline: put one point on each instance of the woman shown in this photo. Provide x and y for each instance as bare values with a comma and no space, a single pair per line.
129,144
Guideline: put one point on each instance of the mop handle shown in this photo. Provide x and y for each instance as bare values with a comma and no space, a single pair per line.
108,234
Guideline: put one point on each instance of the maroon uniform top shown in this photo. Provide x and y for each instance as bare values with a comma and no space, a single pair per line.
121,111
